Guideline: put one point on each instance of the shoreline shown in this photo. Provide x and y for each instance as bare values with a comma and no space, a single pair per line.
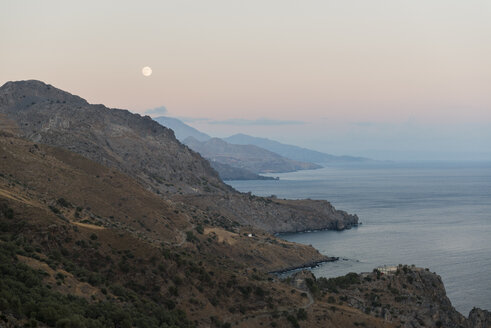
308,265
348,227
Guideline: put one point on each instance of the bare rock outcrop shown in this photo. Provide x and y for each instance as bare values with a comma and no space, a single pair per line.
479,318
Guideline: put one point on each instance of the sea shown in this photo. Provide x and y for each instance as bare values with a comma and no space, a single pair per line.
432,215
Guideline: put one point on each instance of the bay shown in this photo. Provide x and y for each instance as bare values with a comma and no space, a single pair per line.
433,215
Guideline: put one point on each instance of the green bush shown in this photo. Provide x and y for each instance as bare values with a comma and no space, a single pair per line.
342,282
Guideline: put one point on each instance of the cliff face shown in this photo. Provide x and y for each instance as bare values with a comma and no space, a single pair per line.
117,138
479,318
408,297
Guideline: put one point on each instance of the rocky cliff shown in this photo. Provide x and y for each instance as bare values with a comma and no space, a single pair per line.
406,296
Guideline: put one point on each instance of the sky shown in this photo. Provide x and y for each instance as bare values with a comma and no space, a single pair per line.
387,79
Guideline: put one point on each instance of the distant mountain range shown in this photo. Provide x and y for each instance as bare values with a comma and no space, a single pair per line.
289,151
230,165
181,130
248,157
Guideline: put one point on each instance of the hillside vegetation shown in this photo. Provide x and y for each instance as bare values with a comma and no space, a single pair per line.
89,237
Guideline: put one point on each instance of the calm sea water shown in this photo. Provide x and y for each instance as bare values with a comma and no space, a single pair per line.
436,216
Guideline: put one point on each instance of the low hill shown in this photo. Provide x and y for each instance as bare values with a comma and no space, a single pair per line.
249,157
290,151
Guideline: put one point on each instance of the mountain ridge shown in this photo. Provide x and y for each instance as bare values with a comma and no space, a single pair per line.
249,157
181,130
141,148
291,151
134,144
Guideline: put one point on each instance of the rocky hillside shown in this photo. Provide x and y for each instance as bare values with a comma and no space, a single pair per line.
249,157
70,226
83,245
407,297
133,144
88,241
143,149
88,194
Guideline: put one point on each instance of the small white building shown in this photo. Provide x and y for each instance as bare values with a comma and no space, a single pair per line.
386,269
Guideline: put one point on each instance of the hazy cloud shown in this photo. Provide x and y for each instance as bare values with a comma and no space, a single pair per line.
193,119
260,121
156,111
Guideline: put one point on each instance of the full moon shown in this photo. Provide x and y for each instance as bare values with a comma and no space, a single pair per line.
147,71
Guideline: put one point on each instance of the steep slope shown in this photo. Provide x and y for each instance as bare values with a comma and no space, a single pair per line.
84,192
290,151
181,130
251,158
85,245
136,145
64,269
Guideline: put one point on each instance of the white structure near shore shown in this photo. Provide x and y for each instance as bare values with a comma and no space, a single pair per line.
386,269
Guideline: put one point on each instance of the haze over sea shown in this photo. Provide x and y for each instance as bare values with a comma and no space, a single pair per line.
433,215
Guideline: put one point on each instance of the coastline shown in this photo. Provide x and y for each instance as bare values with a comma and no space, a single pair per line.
308,265
347,227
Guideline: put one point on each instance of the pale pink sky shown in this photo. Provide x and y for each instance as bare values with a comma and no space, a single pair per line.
347,61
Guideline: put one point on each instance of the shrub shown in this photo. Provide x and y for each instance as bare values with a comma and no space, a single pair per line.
301,314
63,202
190,237
54,209
293,321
